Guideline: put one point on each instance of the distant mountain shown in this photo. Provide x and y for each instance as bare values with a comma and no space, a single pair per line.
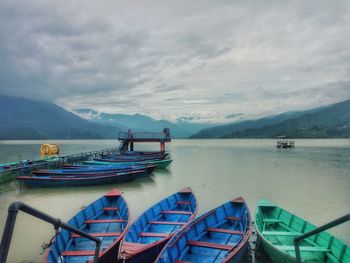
29,119
327,122
138,122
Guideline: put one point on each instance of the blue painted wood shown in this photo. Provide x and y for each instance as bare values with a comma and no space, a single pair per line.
81,180
220,235
110,207
153,228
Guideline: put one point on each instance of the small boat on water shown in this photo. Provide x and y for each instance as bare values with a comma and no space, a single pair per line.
151,231
277,229
83,179
220,235
107,218
160,164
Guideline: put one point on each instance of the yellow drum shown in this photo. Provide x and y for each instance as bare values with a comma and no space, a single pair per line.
49,149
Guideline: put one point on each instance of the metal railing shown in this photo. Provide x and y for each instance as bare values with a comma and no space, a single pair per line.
143,135
17,206
331,224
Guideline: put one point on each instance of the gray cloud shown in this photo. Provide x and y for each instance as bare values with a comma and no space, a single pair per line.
177,60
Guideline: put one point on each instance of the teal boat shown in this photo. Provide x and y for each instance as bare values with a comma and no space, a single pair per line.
161,164
277,229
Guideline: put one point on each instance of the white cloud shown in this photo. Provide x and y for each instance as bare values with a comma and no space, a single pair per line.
202,60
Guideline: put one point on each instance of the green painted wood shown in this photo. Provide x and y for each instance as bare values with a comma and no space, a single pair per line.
277,229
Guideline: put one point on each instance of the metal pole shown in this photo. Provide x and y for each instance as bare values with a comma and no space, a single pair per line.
331,224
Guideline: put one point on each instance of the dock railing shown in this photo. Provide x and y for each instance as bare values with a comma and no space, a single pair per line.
143,135
17,206
329,225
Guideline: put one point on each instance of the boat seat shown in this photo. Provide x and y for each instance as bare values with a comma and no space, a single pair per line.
227,231
233,218
78,253
166,223
270,220
110,209
303,249
183,202
104,221
281,233
148,234
176,212
209,245
106,234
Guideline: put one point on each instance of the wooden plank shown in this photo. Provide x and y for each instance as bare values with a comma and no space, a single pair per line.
209,245
110,208
270,220
227,231
304,249
166,223
104,221
148,234
281,233
78,253
183,202
106,234
176,212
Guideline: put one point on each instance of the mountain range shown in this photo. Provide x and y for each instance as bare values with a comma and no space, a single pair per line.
331,121
22,118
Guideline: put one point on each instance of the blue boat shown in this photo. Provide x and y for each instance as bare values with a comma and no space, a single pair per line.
151,231
81,180
220,235
107,218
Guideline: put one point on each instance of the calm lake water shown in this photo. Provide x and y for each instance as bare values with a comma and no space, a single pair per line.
312,181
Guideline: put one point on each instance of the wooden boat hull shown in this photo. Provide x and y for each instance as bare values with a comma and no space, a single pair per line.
152,230
277,229
220,235
160,164
106,218
65,181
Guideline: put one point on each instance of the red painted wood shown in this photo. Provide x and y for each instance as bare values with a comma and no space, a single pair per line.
209,245
186,190
234,218
176,212
104,221
110,208
77,253
107,234
166,223
183,202
228,231
238,200
113,193
148,234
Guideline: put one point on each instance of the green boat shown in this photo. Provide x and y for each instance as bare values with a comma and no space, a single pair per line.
161,164
277,229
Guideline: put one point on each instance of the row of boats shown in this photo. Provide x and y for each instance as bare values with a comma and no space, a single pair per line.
170,232
117,168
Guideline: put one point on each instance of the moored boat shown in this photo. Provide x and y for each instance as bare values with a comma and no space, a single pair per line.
81,180
277,229
220,235
152,230
160,164
107,218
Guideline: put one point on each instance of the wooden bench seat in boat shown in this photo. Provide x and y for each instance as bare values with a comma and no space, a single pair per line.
233,218
148,234
281,233
104,221
222,230
77,253
271,220
166,223
106,234
209,245
304,249
110,209
176,212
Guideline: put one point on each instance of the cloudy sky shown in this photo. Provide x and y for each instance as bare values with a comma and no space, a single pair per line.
209,61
